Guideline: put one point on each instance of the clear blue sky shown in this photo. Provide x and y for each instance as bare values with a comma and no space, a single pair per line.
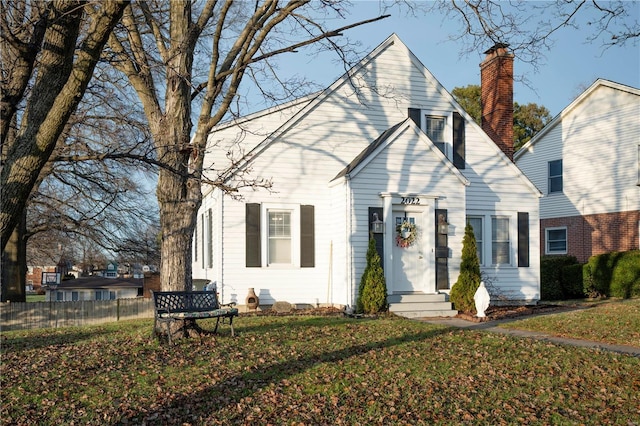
569,67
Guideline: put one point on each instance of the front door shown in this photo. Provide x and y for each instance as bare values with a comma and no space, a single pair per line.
410,266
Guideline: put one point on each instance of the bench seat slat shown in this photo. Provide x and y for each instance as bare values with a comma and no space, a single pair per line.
200,314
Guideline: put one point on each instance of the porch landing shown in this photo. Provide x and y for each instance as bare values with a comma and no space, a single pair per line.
419,305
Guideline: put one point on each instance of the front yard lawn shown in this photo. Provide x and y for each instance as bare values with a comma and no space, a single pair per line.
310,370
616,322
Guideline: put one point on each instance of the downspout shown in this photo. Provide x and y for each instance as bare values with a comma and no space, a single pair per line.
219,258
349,257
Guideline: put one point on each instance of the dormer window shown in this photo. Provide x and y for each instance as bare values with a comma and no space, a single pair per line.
445,130
435,128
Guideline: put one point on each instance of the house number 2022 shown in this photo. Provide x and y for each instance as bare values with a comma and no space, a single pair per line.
410,200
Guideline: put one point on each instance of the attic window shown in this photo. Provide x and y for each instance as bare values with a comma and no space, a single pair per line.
435,128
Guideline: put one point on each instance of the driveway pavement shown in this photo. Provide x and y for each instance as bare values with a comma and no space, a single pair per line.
494,327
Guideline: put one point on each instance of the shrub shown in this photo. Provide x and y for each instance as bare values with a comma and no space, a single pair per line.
372,296
551,283
571,281
614,274
469,279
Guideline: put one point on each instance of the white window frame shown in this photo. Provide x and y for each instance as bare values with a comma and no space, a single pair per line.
59,296
448,129
294,209
547,250
549,177
480,243
487,233
509,241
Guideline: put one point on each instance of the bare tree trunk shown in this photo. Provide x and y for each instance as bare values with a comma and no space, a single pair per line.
14,261
63,76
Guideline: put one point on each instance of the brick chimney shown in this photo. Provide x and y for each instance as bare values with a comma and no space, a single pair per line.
496,80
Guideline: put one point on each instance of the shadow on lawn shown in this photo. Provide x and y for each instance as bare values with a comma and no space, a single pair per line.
207,402
58,337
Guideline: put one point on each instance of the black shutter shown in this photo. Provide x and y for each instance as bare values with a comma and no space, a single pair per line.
442,252
458,141
379,238
252,232
414,114
307,237
523,239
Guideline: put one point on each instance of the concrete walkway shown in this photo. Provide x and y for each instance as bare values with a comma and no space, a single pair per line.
494,327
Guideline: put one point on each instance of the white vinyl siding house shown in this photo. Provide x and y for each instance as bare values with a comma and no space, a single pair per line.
585,161
337,157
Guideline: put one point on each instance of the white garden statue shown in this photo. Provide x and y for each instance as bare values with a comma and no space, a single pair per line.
482,298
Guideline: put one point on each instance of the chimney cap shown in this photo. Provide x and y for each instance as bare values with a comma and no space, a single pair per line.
496,46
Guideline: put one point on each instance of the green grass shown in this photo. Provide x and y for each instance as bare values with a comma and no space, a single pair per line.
615,322
310,370
35,297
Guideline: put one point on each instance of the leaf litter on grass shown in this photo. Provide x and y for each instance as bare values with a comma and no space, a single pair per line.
293,370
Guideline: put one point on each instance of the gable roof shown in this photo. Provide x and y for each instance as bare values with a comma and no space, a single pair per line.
100,283
385,139
572,106
318,97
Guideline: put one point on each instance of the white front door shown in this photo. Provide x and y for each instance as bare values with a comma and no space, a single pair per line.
410,265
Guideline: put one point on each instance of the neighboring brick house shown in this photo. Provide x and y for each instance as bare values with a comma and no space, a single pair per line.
586,162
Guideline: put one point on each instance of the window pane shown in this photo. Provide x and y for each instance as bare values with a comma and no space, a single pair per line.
279,237
476,224
556,240
435,128
555,176
500,240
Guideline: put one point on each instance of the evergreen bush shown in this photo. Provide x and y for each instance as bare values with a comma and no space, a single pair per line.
551,280
614,274
572,285
469,279
372,295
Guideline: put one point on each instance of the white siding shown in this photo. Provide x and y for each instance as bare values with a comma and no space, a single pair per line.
597,140
407,165
305,155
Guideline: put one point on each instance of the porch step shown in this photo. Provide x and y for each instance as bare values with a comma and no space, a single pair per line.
419,305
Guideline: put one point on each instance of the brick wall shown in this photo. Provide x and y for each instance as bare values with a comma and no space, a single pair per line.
596,234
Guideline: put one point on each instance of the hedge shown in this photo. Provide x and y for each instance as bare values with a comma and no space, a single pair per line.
614,274
552,283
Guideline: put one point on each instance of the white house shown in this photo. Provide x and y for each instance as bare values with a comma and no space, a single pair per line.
587,163
385,143
95,288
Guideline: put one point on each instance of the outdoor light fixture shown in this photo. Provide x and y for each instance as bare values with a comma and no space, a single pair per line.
443,226
377,226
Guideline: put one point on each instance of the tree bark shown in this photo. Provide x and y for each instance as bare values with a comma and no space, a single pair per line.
14,269
63,75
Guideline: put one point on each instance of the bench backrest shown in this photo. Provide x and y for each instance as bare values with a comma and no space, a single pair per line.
185,301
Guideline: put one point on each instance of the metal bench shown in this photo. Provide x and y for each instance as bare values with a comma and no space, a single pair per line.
171,306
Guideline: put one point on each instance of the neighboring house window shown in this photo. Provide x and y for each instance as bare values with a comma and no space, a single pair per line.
476,224
556,239
75,296
435,128
279,237
98,295
500,241
112,295
59,296
555,176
